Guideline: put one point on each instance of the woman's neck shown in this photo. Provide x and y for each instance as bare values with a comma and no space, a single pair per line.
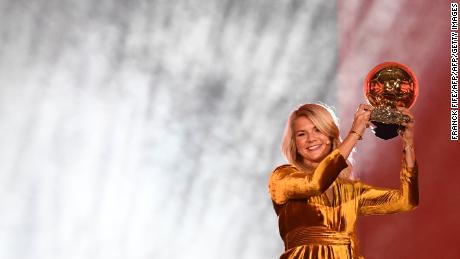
309,166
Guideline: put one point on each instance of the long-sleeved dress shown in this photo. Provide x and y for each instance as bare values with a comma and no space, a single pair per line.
315,226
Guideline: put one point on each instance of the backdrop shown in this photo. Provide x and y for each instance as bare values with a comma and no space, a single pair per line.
148,129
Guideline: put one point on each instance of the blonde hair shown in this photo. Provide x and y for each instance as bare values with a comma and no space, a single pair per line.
323,118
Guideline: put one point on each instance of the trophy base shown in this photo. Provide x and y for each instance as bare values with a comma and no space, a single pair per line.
388,115
385,131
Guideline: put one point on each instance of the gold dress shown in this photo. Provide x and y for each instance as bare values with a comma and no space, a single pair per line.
313,225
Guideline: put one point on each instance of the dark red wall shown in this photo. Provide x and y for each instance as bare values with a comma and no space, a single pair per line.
431,231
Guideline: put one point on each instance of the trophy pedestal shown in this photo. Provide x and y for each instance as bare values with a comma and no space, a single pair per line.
385,131
387,122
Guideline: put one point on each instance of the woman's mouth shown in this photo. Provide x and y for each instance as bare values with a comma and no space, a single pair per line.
314,147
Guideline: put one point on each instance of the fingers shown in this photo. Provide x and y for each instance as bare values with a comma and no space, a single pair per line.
365,107
407,112
362,118
407,131
367,118
404,110
364,110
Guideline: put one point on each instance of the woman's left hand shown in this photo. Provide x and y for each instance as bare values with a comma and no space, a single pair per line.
408,133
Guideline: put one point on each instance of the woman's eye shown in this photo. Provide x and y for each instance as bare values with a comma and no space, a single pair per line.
300,134
316,130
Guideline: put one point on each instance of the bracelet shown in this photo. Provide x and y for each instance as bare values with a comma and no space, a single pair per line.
360,137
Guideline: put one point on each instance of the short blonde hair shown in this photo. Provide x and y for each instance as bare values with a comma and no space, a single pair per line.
322,117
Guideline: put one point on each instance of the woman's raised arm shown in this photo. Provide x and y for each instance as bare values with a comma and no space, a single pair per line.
382,201
287,182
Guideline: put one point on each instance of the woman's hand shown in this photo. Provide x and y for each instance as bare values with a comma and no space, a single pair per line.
361,120
360,123
407,134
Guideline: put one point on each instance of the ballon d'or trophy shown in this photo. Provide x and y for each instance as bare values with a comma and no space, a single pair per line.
387,86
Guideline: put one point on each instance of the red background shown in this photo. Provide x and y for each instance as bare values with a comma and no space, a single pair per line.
418,36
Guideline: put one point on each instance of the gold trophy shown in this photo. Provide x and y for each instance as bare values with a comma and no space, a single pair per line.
387,86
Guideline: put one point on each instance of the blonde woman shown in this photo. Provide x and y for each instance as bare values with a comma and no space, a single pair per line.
316,201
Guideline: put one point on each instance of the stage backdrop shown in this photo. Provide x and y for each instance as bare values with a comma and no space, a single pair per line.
148,129
416,34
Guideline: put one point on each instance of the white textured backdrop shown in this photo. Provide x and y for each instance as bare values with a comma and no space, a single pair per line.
148,129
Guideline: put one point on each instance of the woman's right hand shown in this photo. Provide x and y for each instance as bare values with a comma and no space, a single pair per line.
360,123
361,120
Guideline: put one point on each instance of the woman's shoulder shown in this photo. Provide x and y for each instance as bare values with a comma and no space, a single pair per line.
285,167
280,176
287,171
283,170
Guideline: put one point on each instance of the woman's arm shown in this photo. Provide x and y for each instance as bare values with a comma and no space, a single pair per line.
360,123
407,136
373,200
287,182
382,201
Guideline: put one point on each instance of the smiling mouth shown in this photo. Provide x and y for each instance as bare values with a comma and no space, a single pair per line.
314,147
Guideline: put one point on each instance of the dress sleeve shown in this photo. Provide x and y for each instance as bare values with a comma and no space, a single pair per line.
287,182
373,200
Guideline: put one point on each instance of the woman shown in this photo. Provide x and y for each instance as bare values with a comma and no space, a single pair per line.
316,201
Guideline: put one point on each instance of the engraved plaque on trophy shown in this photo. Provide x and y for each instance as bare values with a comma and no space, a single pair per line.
387,86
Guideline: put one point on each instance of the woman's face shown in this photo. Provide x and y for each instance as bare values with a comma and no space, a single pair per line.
311,144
